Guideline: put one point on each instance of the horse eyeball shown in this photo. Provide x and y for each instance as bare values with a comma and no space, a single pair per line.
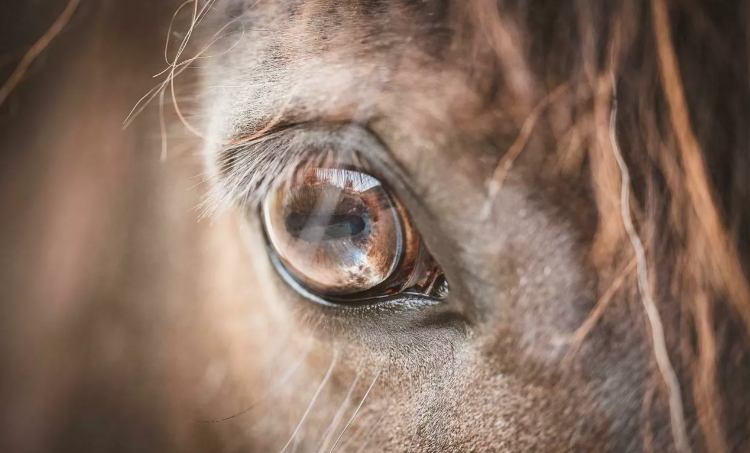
341,234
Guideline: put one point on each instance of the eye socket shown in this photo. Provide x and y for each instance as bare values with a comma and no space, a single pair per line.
344,237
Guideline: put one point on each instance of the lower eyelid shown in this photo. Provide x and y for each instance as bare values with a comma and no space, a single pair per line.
402,301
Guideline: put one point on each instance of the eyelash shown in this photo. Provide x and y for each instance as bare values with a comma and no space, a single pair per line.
247,171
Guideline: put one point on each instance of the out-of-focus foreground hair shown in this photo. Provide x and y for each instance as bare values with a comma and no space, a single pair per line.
665,84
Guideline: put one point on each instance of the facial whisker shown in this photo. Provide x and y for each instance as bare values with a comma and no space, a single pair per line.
313,400
329,432
354,415
283,380
372,431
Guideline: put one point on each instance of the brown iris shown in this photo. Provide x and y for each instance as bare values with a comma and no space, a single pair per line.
341,234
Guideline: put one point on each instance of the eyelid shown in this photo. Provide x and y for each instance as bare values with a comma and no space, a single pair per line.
401,300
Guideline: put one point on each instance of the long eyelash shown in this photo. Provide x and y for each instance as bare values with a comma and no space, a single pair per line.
247,171
360,182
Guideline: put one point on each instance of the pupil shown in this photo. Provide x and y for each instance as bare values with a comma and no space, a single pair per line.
321,227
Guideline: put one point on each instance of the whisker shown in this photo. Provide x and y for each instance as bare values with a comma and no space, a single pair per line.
176,67
169,31
163,128
144,101
372,431
355,413
290,372
659,343
314,399
329,432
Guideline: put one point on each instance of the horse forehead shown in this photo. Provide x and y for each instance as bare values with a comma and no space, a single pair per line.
379,20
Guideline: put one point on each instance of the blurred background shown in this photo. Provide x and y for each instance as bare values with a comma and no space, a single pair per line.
91,220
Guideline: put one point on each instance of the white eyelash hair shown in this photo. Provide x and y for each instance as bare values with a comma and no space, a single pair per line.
246,171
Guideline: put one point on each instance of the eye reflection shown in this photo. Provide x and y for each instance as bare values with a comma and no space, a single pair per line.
334,226
341,234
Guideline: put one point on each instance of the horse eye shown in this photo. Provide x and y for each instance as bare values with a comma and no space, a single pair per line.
344,237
